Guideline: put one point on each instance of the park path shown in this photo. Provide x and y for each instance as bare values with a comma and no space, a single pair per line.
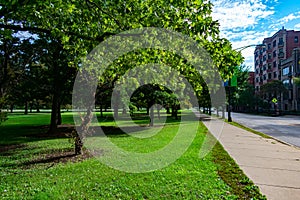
273,166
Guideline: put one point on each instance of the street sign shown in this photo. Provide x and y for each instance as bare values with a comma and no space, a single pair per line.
233,81
274,100
226,83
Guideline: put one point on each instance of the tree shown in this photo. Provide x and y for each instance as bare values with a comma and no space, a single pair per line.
7,49
245,99
243,95
297,80
27,78
272,89
77,26
154,94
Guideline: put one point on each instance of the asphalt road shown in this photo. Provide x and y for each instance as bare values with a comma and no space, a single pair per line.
285,128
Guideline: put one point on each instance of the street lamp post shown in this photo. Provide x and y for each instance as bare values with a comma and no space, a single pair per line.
229,101
229,82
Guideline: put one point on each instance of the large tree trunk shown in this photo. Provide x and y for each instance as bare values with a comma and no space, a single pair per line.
116,105
30,107
37,107
101,110
152,116
26,108
54,114
158,111
78,145
55,110
168,109
116,111
175,111
83,130
59,120
4,68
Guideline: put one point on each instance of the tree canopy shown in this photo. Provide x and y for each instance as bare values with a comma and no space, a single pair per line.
68,30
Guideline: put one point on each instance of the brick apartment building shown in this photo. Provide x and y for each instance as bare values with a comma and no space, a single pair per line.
291,68
269,57
251,78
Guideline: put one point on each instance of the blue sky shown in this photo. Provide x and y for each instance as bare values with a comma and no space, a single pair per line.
246,22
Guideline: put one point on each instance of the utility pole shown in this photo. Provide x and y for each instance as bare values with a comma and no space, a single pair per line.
229,101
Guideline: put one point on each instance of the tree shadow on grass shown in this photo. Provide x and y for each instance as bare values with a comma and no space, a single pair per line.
43,159
18,149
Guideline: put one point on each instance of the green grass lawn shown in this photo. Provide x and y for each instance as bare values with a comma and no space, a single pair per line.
27,171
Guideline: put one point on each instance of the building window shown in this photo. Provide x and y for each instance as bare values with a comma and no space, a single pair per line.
264,67
269,46
274,64
285,71
257,79
274,43
280,42
265,58
269,65
269,76
296,39
265,76
280,53
274,54
279,76
275,74
256,71
269,56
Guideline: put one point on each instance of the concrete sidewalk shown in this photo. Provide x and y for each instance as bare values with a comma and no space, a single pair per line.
274,167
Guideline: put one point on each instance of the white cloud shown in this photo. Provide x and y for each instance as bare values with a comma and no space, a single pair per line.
240,14
238,20
297,26
289,17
